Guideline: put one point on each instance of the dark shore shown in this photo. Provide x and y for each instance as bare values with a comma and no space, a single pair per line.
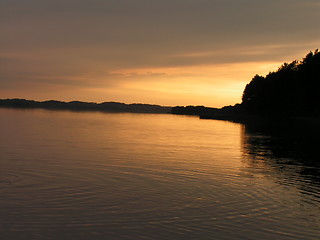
234,113
250,118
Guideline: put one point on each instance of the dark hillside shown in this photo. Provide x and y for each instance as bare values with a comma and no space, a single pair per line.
85,106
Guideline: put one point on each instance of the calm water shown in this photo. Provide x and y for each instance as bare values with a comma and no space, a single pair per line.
73,175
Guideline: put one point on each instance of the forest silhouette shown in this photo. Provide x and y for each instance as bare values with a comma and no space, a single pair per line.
291,91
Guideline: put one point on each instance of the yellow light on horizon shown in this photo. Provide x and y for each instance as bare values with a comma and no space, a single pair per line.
214,85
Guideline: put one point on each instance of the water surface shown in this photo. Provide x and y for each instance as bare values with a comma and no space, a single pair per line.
91,175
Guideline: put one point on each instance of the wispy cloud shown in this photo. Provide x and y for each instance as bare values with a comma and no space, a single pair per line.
129,49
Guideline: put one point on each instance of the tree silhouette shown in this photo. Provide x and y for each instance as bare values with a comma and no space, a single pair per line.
293,90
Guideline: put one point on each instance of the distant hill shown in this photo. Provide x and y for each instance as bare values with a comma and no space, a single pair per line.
85,106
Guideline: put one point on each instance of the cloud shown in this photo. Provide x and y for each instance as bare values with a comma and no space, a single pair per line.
118,46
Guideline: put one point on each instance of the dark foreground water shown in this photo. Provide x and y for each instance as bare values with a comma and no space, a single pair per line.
71,175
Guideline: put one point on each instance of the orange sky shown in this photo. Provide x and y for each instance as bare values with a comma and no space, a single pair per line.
192,52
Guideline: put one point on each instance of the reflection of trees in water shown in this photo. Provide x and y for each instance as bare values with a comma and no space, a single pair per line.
291,153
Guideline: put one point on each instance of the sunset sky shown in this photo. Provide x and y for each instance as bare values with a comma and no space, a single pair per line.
167,52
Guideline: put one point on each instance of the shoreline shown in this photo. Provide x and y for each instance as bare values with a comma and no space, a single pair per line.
306,122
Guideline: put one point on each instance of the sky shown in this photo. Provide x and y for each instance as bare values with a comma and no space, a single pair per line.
167,52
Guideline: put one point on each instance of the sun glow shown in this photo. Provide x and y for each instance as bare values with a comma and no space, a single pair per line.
211,85
215,85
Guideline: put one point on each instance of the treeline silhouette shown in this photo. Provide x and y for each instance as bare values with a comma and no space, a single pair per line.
85,106
291,91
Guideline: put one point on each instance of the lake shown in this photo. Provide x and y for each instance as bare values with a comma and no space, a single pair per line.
93,175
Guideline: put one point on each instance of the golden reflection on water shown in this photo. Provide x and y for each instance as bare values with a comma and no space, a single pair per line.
91,175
